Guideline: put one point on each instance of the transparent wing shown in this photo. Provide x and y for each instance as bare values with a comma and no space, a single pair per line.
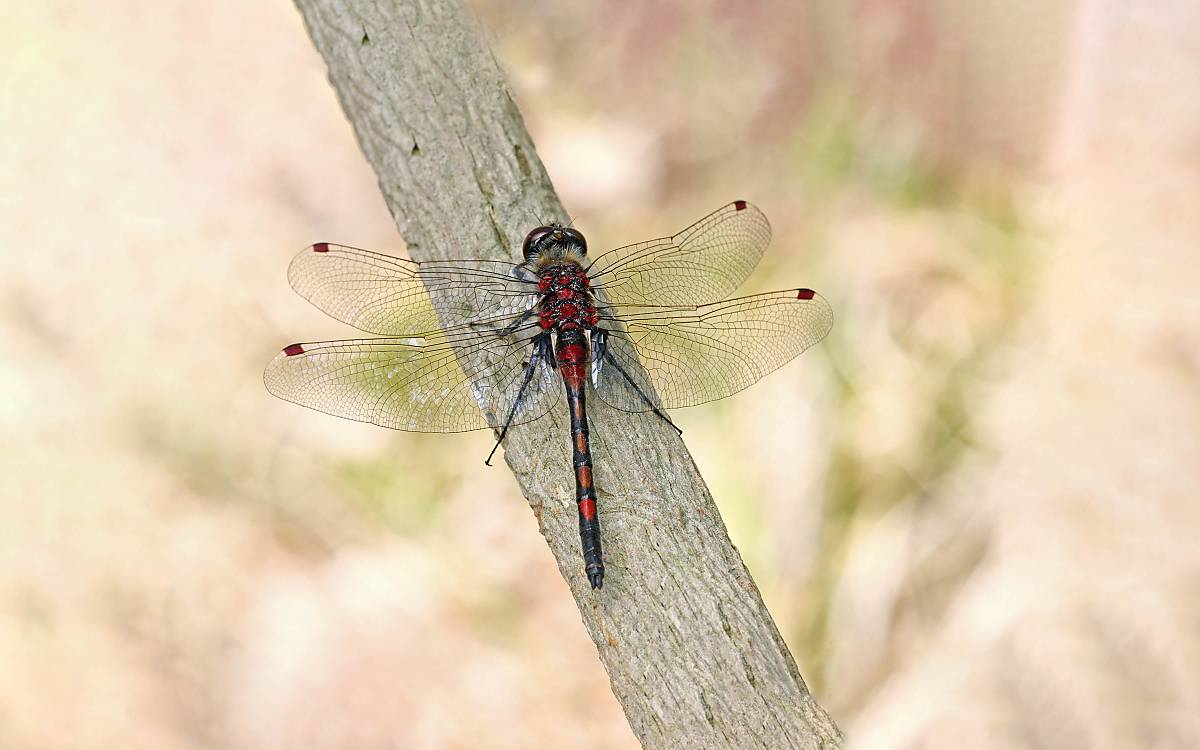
709,260
693,354
464,378
392,296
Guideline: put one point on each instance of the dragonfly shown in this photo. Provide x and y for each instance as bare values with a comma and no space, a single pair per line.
476,344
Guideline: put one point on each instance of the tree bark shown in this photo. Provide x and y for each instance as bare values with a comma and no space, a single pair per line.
692,654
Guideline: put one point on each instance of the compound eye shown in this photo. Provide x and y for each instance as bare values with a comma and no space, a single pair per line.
534,238
576,236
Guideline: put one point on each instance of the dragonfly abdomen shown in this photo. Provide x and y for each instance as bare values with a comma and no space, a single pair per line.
572,354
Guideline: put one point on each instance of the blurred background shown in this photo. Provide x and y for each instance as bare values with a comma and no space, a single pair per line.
992,542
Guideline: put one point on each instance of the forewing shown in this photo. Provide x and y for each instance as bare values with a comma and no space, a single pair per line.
382,294
707,261
463,379
669,357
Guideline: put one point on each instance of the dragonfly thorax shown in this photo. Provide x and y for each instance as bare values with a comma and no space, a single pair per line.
567,301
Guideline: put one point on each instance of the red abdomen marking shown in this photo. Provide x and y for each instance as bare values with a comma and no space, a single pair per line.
572,354
573,374
572,362
587,508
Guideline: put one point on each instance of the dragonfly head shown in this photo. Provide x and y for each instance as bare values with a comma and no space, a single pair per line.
553,242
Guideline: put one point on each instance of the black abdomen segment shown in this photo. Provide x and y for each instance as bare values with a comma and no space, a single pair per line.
572,354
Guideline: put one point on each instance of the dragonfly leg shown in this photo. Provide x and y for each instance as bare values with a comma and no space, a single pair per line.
512,327
600,350
541,345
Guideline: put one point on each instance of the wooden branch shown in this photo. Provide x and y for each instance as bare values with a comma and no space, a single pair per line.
692,654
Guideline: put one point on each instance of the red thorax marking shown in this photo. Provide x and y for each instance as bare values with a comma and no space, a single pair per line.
566,303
